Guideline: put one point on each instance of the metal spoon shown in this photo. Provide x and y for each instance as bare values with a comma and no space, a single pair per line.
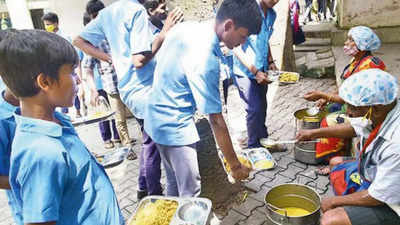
268,142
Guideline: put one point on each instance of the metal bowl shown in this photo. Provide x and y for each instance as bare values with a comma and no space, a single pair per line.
194,213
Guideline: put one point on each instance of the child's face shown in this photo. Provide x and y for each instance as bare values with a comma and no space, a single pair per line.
270,3
50,27
62,93
233,36
160,12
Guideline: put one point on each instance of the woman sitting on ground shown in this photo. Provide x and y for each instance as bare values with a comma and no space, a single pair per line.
360,43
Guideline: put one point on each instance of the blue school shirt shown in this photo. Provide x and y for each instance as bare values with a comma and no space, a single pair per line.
186,79
7,128
256,47
55,178
125,25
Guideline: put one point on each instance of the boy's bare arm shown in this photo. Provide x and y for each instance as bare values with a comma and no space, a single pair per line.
141,59
221,133
261,77
92,86
4,183
91,50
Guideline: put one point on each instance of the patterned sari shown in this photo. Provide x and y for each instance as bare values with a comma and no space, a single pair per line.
328,148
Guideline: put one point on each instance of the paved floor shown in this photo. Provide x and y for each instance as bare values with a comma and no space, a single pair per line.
281,125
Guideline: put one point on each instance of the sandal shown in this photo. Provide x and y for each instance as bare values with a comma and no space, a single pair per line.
108,145
323,171
131,155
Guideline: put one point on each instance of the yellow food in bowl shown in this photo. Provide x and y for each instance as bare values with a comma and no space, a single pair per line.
294,211
158,213
288,77
96,115
264,164
243,160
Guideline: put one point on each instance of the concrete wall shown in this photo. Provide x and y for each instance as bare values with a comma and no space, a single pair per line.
281,41
372,13
70,14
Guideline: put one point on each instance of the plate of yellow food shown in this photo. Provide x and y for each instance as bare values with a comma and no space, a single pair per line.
156,212
243,159
288,77
261,159
92,118
160,210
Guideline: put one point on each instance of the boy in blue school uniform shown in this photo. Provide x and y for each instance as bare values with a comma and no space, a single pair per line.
250,63
53,177
132,51
186,79
8,104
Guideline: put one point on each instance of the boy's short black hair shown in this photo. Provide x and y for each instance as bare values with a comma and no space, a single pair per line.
50,16
94,6
244,13
24,54
150,4
86,18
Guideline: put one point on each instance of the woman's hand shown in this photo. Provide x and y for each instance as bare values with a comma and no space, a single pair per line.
313,96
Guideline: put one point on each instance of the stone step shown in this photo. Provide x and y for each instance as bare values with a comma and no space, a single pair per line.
317,42
321,30
309,48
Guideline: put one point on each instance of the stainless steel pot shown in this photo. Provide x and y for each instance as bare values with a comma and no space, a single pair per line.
293,195
305,152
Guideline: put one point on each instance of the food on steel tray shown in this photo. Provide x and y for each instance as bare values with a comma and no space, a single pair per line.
263,164
288,77
96,115
159,212
243,160
261,159
293,211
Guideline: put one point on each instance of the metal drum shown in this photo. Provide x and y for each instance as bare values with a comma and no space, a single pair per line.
305,152
282,197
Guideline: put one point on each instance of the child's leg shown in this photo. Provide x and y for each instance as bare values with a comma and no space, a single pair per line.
120,118
149,165
182,170
255,97
115,131
4,183
77,105
105,132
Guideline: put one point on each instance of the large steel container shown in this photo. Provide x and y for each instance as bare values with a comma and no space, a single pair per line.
292,195
305,152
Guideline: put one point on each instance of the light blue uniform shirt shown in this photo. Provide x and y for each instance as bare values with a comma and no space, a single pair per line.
7,131
125,25
256,47
55,178
380,163
186,79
